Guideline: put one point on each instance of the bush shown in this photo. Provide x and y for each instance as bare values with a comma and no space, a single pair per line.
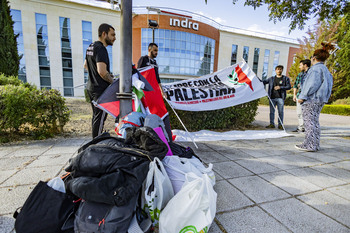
288,101
235,117
342,101
336,109
26,110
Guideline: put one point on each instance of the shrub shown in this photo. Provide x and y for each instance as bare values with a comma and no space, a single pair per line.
288,101
25,110
223,119
336,109
342,101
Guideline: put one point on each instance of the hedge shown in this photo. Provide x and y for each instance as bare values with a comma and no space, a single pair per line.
336,109
26,110
236,117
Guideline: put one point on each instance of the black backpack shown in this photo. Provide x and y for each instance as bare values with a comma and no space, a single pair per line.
93,217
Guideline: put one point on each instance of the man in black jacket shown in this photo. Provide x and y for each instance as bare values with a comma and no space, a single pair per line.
278,85
97,64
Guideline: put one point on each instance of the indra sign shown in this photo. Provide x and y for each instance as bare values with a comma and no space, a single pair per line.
184,23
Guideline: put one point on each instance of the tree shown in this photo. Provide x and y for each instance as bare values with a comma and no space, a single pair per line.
299,11
340,61
338,32
9,62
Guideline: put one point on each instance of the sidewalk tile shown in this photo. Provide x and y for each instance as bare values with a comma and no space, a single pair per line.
51,160
10,163
257,166
344,165
236,154
12,198
342,191
230,170
258,189
211,156
291,184
32,176
332,205
299,217
251,219
229,198
6,174
315,177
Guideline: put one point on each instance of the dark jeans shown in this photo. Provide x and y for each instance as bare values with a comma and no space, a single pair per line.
279,102
98,117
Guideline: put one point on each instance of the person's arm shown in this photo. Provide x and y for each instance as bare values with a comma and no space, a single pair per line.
85,65
311,84
102,71
295,94
162,91
287,86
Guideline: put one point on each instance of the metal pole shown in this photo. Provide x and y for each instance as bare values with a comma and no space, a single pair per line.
153,35
125,94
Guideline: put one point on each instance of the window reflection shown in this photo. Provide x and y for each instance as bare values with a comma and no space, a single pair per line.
181,52
66,51
43,50
17,27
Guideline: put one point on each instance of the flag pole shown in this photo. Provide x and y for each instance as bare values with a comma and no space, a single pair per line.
182,123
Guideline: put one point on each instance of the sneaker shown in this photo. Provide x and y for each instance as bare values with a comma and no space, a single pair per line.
299,147
280,127
270,126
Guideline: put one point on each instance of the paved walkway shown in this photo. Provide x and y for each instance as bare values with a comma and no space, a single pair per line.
262,185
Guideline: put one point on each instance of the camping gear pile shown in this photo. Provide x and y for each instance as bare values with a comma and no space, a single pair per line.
140,182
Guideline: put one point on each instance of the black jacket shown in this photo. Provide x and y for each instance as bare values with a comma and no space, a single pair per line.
111,170
284,87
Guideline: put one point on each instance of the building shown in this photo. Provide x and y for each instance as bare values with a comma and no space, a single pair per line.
54,35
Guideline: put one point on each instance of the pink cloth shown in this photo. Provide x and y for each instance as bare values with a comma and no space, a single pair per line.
161,135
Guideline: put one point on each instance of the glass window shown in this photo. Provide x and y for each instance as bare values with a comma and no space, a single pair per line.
245,53
181,53
17,27
66,53
234,54
256,60
43,50
87,40
266,64
276,58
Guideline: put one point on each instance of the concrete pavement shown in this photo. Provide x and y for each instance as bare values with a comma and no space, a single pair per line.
262,185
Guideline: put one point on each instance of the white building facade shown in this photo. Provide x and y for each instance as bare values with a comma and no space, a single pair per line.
54,35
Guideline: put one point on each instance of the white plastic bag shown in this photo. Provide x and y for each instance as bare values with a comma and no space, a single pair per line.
157,190
192,209
57,184
177,167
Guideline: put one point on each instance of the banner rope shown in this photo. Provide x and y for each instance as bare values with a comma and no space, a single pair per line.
182,123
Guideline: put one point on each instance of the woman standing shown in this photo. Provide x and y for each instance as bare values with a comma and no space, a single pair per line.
316,91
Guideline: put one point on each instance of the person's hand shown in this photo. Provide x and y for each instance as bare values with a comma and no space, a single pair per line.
300,101
277,88
294,98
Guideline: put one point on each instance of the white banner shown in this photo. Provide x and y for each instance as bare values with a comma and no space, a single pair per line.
228,87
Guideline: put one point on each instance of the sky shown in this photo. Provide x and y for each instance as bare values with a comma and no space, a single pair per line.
238,15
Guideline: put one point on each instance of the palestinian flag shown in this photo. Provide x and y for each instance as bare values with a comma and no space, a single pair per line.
153,100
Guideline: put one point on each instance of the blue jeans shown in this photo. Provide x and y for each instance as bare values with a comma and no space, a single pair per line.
279,102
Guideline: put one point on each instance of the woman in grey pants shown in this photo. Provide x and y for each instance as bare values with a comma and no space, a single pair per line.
315,92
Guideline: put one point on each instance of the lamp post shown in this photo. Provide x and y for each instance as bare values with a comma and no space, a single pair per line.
125,94
152,24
